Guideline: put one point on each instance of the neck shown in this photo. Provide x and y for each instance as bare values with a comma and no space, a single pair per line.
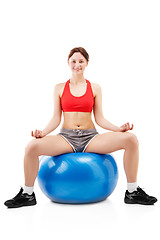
75,79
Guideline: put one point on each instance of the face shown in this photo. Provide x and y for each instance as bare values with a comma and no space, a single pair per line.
77,63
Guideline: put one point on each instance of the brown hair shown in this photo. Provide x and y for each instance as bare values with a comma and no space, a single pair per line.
81,50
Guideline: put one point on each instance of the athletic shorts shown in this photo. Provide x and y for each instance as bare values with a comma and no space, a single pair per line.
78,139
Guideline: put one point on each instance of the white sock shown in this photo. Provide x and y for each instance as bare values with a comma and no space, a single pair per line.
131,187
28,190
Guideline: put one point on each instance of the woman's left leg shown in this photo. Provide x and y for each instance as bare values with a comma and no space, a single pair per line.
112,141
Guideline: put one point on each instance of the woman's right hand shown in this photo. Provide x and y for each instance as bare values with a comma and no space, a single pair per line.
37,134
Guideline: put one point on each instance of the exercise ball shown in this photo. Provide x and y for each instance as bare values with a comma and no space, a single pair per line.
77,177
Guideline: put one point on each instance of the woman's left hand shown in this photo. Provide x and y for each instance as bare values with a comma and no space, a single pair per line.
125,127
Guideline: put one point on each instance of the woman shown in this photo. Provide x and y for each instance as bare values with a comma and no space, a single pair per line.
77,98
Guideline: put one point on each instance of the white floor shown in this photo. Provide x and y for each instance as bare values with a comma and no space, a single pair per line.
108,219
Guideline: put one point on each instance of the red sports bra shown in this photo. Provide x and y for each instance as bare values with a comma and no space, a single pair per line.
71,103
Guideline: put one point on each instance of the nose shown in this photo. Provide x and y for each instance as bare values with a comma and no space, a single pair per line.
77,65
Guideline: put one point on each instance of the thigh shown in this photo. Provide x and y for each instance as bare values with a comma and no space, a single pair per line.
108,142
51,145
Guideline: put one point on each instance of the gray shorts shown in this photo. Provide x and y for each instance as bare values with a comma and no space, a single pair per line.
78,139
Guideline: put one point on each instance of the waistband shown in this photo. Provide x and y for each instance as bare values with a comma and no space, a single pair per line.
79,131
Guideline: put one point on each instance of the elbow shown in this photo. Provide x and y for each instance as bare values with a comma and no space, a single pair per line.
56,120
99,121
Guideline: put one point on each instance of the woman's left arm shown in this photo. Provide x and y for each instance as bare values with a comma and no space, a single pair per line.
98,114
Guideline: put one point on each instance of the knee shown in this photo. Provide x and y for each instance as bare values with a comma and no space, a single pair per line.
131,140
32,147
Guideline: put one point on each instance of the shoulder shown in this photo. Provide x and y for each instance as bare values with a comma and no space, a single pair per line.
96,88
58,88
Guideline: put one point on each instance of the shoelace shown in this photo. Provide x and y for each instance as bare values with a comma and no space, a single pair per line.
20,192
142,192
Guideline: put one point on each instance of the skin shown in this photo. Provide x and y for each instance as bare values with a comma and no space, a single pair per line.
118,138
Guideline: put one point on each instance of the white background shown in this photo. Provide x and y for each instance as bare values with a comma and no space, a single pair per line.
122,39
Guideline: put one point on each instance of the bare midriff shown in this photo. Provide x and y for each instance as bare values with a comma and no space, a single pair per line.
77,120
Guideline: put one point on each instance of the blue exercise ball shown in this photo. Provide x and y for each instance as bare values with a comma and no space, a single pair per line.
78,177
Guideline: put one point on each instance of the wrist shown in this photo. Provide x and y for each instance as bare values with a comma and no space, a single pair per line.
118,129
44,133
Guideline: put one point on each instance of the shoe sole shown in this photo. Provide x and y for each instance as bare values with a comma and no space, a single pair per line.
130,201
23,205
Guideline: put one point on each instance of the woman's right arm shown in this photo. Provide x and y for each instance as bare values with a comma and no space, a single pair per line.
55,120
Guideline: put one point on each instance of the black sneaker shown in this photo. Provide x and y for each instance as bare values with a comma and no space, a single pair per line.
21,199
139,197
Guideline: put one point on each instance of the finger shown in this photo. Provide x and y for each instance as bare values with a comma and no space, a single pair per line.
39,133
36,132
124,127
33,135
130,126
127,126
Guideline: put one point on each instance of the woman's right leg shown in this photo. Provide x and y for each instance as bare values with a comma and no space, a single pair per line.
51,145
